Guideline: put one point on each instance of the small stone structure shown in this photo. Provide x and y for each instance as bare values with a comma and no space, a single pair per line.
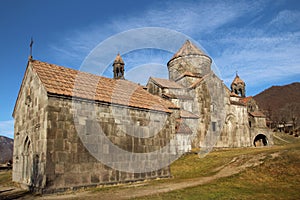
59,110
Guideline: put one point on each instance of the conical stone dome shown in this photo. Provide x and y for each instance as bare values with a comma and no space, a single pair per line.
189,58
118,60
187,49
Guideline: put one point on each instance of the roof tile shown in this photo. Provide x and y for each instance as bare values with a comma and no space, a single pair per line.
166,83
187,114
182,128
257,114
73,83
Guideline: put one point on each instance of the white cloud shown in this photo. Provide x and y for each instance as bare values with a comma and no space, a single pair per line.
286,18
7,128
239,36
192,18
260,58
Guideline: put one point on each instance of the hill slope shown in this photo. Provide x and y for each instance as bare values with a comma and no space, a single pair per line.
278,96
6,149
281,102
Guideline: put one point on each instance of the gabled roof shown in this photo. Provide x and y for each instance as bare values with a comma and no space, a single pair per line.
189,74
187,114
68,82
182,128
166,83
257,114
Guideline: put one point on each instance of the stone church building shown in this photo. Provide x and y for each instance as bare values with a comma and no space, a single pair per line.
59,110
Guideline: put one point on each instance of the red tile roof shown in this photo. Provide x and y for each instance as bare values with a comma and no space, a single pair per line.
245,100
69,82
182,128
187,114
257,114
166,83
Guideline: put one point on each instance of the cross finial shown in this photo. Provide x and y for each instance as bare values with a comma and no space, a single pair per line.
236,73
31,44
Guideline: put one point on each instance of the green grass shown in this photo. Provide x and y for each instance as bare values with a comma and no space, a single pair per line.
277,178
6,178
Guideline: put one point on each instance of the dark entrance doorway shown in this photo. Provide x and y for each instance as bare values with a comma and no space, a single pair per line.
260,140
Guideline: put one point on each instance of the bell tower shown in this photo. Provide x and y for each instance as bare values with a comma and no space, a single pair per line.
118,67
238,86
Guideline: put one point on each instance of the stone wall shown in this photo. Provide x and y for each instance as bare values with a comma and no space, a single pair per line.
30,116
197,64
72,125
153,88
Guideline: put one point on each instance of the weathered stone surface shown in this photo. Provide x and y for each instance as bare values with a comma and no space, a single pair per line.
62,159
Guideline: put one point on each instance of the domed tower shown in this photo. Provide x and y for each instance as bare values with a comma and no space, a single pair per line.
118,67
189,58
238,86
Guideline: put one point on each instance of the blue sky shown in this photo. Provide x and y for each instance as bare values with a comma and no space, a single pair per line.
259,39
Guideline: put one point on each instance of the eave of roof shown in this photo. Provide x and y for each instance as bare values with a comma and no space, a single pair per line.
73,83
166,83
237,103
189,74
187,114
257,114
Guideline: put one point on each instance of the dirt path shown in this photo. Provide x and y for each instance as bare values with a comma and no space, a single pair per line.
236,165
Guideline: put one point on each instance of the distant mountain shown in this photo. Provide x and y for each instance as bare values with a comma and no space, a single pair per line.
281,103
6,149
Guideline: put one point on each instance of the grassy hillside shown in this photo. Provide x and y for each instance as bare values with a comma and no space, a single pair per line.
277,177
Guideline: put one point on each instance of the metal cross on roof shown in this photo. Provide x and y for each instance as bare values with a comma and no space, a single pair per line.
31,44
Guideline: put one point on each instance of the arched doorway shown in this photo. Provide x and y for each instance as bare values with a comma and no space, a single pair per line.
260,140
27,161
228,137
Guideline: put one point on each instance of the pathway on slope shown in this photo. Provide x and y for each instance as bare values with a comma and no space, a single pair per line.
236,165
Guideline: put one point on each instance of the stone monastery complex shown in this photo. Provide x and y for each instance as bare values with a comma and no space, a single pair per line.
59,110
